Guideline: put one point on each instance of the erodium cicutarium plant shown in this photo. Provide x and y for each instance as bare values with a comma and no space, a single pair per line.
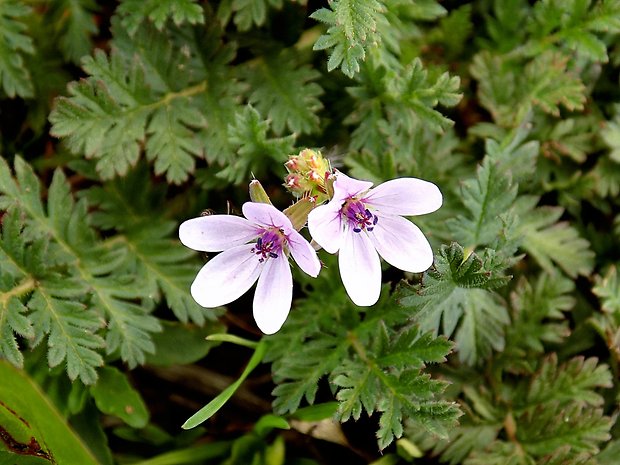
444,275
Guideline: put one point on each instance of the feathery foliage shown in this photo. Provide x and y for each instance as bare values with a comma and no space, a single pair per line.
460,289
285,92
164,266
120,120
93,282
79,26
352,29
370,368
14,43
133,13
553,413
110,114
247,13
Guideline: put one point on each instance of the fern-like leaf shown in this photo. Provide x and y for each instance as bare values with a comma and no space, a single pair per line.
575,24
607,322
172,145
14,42
399,103
104,118
461,289
256,149
550,241
73,243
285,92
389,380
537,314
78,20
110,114
43,302
370,367
488,197
509,94
352,29
165,266
247,13
134,12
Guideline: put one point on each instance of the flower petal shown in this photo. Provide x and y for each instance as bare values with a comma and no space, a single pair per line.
274,293
345,187
405,196
402,244
303,254
226,277
216,233
325,226
360,268
266,215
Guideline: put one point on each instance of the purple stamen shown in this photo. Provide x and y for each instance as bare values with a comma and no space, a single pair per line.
359,216
269,244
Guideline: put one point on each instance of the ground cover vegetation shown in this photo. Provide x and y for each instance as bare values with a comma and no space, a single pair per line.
121,120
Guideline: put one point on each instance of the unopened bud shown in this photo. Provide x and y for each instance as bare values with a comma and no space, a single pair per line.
258,193
307,174
291,165
292,181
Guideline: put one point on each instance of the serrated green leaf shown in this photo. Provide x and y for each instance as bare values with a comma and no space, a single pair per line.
572,381
246,13
388,379
607,289
134,12
482,328
551,242
77,19
15,78
582,429
510,92
171,144
104,119
286,92
460,288
537,313
297,377
352,30
110,115
257,151
94,293
488,197
47,310
574,23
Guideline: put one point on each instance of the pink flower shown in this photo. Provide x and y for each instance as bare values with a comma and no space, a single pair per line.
359,222
255,248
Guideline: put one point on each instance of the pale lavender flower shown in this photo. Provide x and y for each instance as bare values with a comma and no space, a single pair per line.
255,248
359,222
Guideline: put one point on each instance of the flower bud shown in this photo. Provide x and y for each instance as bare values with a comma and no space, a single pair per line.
307,173
258,193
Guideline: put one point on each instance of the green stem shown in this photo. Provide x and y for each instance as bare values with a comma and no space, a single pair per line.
24,287
169,97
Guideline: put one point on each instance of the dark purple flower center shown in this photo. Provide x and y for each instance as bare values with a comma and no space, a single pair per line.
269,244
359,216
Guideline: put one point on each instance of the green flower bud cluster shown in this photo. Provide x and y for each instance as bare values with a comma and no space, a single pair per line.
308,175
